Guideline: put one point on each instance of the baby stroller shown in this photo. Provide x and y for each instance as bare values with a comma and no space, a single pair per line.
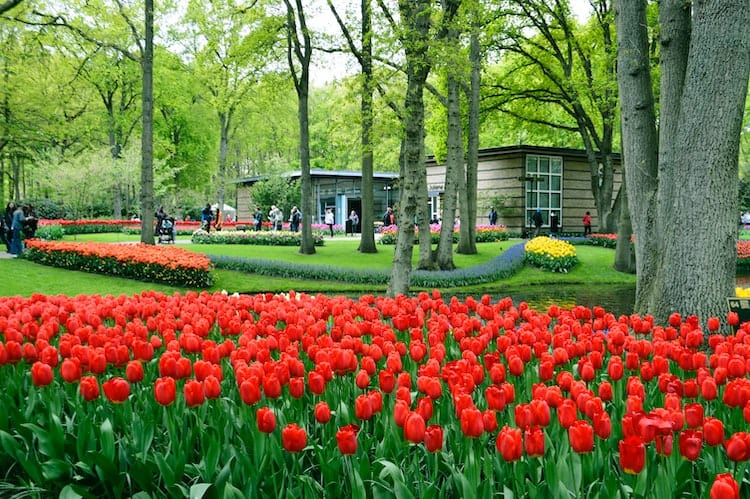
165,230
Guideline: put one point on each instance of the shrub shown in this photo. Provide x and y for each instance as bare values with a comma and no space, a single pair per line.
263,238
50,232
484,234
501,266
551,254
143,262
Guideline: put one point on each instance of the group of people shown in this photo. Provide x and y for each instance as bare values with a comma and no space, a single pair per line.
210,217
554,223
276,217
18,223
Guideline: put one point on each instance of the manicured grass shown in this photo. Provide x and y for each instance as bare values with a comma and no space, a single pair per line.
25,278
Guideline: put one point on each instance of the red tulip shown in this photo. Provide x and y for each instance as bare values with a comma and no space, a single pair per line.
489,423
89,388
495,398
690,444
41,373
713,324
709,390
362,380
713,431
632,455
193,392
433,438
346,438
605,391
70,369
212,387
414,428
508,443
266,420
363,407
296,387
533,441
116,390
602,425
581,436
540,413
293,438
694,415
272,386
567,413
386,380
316,382
400,412
424,408
738,446
134,371
250,391
725,487
322,412
165,390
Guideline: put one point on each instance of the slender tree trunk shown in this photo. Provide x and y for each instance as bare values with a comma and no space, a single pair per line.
467,241
454,176
147,148
624,253
224,124
367,227
307,246
415,18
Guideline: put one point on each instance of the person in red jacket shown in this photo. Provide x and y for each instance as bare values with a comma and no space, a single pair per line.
587,224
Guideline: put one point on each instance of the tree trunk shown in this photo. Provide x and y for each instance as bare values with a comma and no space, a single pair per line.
467,241
701,254
454,176
624,254
147,148
307,246
415,18
685,234
367,227
225,119
639,139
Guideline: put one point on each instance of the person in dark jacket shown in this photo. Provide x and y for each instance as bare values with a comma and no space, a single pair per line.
493,216
554,225
536,218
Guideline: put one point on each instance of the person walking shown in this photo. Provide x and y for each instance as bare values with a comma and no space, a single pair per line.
19,217
294,219
388,218
7,235
587,224
206,217
492,216
536,218
276,216
258,217
354,219
554,225
330,220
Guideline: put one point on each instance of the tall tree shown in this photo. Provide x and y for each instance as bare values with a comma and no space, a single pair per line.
416,22
569,67
299,53
687,170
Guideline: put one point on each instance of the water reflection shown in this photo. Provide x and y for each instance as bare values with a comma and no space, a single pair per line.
615,299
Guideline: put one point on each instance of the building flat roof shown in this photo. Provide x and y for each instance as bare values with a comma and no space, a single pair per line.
320,173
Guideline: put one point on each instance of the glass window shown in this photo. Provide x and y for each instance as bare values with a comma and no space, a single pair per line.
544,165
531,199
531,166
543,200
555,180
557,166
545,191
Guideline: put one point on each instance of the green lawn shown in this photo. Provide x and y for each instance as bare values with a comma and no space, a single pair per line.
25,278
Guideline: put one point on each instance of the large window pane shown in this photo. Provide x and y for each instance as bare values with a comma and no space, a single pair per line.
544,165
531,164
555,183
531,199
555,201
543,200
543,183
556,165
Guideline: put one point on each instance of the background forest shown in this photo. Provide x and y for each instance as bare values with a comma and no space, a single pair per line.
224,99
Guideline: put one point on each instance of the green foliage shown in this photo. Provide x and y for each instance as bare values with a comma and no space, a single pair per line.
262,238
50,232
275,190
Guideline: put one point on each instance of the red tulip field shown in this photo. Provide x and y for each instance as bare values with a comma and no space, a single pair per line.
216,395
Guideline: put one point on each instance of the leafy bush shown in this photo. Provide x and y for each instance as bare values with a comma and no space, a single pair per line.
263,238
143,262
501,266
551,254
484,234
50,232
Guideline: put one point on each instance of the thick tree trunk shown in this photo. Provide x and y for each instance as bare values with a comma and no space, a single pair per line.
704,160
415,18
639,139
367,237
147,147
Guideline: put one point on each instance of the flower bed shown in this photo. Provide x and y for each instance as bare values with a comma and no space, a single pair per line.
604,240
265,238
297,395
551,254
135,261
484,234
